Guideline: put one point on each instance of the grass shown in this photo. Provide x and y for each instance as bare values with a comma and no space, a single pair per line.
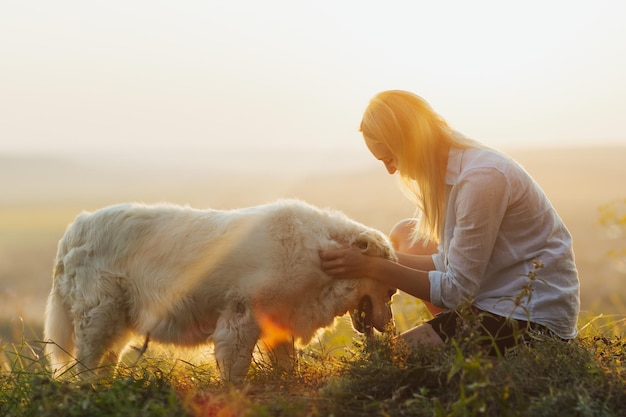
585,377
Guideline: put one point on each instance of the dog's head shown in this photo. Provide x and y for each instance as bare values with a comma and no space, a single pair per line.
374,298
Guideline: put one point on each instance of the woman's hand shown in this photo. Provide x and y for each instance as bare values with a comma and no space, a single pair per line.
346,263
353,263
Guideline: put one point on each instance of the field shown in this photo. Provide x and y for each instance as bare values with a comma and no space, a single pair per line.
41,195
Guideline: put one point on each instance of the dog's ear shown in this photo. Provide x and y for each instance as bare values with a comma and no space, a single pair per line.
375,244
362,242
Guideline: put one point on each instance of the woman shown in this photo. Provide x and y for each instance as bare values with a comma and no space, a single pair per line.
502,248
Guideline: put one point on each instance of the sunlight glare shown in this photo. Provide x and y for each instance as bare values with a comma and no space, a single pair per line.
272,333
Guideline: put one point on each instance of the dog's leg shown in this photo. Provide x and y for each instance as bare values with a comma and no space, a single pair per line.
92,345
100,331
97,353
283,355
235,336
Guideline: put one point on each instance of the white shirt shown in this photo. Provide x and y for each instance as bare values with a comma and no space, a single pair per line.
497,222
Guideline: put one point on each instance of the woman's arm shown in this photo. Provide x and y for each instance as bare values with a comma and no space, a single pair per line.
419,262
410,274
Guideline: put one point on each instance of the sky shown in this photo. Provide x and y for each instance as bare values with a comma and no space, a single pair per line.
165,79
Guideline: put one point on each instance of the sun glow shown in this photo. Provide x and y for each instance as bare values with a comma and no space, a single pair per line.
272,333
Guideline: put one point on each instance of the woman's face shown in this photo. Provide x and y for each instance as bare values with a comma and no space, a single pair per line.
383,154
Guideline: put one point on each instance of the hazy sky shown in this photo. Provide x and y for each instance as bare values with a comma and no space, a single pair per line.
147,76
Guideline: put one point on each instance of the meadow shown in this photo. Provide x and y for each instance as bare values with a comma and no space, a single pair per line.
340,373
379,377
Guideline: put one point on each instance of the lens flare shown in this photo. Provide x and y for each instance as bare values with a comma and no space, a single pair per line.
272,333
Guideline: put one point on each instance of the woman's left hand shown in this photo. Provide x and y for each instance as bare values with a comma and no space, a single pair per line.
345,263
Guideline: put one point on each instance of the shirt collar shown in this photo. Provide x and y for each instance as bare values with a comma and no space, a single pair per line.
453,170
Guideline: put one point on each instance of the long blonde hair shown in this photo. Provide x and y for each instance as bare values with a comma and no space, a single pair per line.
420,140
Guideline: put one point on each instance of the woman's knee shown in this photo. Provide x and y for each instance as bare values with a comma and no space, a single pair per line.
423,335
401,237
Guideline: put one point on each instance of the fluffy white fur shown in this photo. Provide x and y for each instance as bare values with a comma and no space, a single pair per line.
186,276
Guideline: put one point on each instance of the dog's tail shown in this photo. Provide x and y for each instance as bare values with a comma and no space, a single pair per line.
58,328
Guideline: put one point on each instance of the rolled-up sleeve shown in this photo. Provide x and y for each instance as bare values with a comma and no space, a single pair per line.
435,278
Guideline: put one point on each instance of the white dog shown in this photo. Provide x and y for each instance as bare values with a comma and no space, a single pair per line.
183,276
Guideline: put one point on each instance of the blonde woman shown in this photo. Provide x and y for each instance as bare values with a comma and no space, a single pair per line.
486,234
